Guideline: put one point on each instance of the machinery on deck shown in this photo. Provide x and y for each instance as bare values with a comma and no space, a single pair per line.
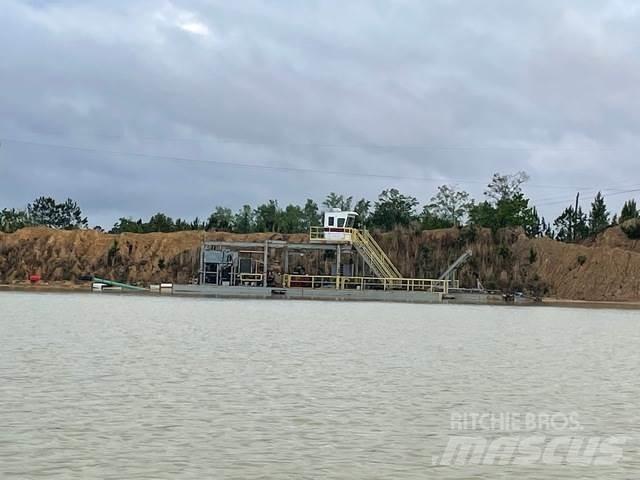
340,256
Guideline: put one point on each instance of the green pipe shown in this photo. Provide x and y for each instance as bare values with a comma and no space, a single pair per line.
111,283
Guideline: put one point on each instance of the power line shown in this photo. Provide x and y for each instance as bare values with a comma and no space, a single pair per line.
229,163
265,167
604,193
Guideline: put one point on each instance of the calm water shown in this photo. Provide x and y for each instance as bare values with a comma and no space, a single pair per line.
101,386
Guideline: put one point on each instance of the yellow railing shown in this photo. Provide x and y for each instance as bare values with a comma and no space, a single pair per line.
318,233
366,283
311,281
364,243
381,253
375,255
250,278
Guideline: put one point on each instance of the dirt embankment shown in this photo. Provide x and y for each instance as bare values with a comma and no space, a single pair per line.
135,258
605,268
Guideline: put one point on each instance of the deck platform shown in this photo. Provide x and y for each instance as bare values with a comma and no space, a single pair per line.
308,294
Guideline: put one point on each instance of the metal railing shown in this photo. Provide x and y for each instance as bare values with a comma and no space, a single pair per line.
318,233
366,283
373,253
366,245
311,281
250,278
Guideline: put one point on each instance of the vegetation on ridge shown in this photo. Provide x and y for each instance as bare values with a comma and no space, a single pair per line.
504,205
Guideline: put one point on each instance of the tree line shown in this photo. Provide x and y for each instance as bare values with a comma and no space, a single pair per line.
44,211
504,205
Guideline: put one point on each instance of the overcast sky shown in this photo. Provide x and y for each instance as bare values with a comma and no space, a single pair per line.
137,106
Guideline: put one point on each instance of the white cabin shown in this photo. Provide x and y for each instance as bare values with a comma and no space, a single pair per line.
338,225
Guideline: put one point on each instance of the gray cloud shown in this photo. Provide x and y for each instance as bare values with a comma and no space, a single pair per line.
453,90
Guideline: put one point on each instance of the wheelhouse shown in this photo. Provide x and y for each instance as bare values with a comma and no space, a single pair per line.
338,225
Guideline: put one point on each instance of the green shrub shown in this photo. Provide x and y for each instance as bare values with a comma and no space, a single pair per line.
631,229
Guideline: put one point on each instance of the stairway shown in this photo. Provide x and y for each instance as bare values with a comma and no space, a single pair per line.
373,254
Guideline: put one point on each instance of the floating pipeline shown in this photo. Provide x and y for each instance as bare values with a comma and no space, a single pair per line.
111,283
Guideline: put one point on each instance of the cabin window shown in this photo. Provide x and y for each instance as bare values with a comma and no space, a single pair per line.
331,223
341,222
350,221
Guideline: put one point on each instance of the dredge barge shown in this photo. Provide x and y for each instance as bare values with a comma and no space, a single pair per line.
339,262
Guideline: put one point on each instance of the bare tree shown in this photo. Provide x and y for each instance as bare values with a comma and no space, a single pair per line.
506,187
450,204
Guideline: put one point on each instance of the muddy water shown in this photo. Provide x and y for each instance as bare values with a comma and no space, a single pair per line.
97,386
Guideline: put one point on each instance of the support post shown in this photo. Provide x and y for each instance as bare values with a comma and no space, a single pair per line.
201,273
265,263
338,265
286,259
356,266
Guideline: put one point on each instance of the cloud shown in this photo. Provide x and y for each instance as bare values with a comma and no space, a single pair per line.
453,90
185,20
195,28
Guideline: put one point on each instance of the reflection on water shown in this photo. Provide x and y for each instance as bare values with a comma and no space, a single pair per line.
96,386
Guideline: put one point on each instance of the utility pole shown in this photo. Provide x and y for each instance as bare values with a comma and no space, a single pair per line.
575,218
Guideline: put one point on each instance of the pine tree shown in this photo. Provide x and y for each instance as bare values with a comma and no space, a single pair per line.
599,216
362,208
334,200
571,225
533,225
310,215
12,220
244,220
45,211
546,229
629,211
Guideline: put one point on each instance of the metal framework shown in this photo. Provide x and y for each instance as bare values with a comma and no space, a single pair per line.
342,241
366,283
263,248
